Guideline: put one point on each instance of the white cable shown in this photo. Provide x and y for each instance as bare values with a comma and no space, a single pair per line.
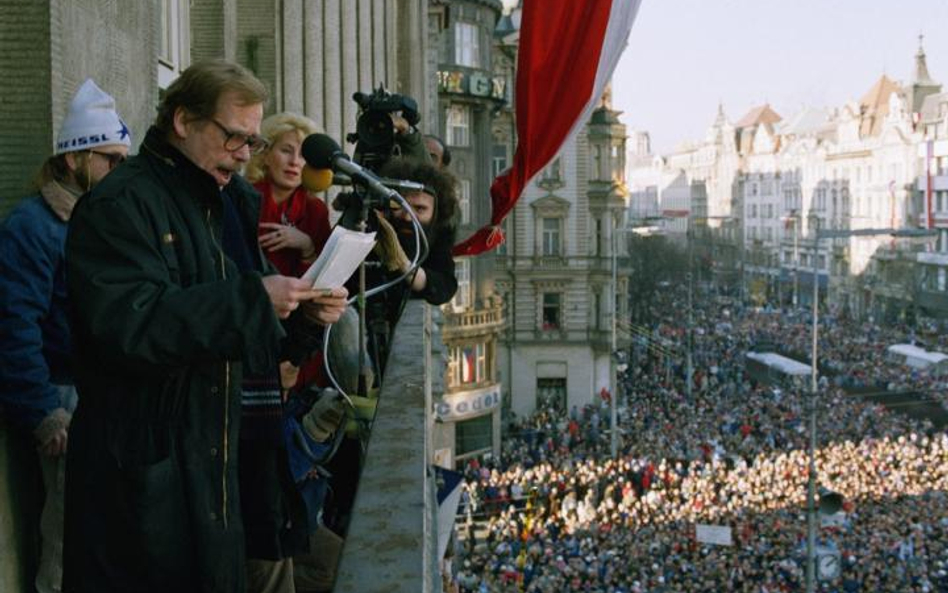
420,239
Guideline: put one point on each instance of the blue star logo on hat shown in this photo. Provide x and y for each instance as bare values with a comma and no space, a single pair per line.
123,133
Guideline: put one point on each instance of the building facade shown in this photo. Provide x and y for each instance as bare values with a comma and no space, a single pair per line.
931,189
853,168
563,270
470,95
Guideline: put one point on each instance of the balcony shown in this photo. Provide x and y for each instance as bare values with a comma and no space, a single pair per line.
474,322
550,262
391,542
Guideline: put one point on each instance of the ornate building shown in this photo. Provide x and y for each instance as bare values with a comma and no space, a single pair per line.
855,167
556,271
470,95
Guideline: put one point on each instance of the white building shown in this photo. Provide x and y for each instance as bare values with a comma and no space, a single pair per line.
853,168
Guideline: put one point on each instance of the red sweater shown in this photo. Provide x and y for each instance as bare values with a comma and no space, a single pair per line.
309,214
302,210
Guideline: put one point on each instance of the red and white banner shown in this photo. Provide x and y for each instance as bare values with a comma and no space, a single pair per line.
568,50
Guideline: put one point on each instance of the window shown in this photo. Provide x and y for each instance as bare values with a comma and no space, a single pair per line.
551,393
551,311
174,41
599,237
473,435
464,200
453,376
458,120
551,236
597,310
467,364
462,271
502,248
499,160
597,162
480,367
553,171
467,45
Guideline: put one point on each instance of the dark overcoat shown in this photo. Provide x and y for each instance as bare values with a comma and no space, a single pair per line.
164,325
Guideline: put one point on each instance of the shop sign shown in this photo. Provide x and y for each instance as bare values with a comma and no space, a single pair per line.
468,404
475,84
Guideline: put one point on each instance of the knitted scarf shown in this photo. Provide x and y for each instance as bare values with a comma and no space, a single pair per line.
261,401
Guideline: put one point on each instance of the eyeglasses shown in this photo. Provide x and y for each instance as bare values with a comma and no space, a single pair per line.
234,141
115,158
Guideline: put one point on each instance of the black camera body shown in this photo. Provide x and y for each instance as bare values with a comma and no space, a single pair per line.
375,134
374,145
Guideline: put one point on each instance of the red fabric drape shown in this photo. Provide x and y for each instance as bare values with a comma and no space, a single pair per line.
561,43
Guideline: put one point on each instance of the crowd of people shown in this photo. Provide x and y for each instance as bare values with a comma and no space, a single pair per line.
558,514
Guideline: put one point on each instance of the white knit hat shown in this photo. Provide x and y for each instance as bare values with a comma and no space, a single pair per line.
91,121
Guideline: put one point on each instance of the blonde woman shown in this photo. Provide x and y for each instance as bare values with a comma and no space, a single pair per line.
294,224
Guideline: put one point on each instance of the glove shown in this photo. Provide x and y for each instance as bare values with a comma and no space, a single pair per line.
325,417
388,248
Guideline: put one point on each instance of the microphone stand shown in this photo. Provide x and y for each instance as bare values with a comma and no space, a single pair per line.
363,389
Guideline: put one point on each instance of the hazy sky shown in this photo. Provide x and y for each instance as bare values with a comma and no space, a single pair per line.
684,56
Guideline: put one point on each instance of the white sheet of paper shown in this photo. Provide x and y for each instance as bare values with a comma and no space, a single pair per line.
340,257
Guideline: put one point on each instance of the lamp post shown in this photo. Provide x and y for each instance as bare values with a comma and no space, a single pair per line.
796,259
814,354
613,411
811,451
689,361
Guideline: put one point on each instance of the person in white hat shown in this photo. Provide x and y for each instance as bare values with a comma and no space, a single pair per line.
36,383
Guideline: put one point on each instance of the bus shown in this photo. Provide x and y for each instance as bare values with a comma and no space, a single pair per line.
774,369
917,357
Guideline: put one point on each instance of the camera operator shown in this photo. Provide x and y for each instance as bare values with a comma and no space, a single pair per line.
436,208
410,142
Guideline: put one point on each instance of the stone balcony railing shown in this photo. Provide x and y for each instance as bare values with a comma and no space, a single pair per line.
474,321
391,543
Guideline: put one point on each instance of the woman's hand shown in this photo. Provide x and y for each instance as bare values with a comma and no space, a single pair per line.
284,236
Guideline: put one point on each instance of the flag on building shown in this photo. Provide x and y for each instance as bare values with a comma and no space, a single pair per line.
448,485
467,366
567,53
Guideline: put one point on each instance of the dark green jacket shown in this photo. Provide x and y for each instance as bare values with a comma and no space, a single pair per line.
163,324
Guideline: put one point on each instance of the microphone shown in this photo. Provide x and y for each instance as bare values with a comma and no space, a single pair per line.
317,180
321,152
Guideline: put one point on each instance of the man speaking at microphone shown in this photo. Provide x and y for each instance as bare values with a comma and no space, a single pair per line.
173,306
